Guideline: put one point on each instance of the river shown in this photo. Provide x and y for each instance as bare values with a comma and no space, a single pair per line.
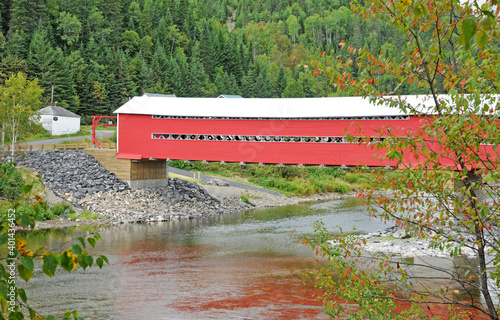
243,266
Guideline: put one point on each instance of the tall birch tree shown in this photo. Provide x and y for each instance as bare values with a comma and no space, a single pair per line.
19,101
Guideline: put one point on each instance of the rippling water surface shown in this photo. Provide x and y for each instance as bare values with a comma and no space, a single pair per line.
245,266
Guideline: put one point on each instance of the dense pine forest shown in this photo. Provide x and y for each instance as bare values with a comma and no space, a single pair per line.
99,53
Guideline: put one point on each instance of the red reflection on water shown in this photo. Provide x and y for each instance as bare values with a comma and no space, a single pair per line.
269,298
198,282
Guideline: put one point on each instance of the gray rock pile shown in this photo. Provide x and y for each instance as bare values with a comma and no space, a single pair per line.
78,178
396,242
180,200
71,171
178,190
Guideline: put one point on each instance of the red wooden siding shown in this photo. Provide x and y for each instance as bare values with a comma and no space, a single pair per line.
135,138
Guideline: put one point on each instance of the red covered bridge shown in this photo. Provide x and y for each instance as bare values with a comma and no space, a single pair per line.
308,131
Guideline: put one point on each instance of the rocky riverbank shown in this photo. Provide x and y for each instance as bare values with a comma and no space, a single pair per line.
78,178
71,171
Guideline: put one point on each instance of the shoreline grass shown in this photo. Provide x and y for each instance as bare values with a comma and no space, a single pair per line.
290,180
85,130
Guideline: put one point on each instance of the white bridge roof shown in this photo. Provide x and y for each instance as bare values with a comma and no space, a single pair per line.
263,107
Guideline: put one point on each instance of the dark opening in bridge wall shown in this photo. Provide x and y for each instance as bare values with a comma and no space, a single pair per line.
403,117
287,139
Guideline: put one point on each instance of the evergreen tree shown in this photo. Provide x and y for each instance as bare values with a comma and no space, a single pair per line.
78,69
181,9
248,84
265,86
199,79
217,53
12,65
293,90
204,48
25,16
162,32
41,60
146,19
128,88
114,97
134,66
17,45
59,76
263,80
186,85
119,86
160,61
95,26
309,84
231,85
356,38
146,78
4,15
112,11
134,15
188,26
244,57
219,81
233,64
281,82
176,78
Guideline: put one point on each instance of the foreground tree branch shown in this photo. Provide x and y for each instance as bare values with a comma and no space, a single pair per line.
444,189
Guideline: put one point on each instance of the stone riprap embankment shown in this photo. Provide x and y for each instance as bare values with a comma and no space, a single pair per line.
179,200
78,178
71,171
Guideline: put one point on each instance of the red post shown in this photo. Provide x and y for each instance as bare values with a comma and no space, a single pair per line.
95,122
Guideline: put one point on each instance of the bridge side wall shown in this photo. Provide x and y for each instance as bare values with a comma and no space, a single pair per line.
135,140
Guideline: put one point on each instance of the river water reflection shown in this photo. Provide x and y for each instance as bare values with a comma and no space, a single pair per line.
245,266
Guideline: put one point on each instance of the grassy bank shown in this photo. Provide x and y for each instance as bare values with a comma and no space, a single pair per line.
12,181
45,136
38,133
290,180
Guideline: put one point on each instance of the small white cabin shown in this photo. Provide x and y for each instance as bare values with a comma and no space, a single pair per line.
58,121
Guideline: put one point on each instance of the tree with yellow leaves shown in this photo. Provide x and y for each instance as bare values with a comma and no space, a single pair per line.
19,101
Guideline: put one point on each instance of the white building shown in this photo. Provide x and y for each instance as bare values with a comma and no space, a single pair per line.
57,120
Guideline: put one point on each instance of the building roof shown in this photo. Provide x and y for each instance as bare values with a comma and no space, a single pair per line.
263,107
158,95
57,111
230,96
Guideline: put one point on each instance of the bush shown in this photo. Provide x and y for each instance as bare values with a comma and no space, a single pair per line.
39,211
342,188
59,208
86,120
85,215
11,181
245,198
180,164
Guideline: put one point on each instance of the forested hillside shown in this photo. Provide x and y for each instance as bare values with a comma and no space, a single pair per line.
99,53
